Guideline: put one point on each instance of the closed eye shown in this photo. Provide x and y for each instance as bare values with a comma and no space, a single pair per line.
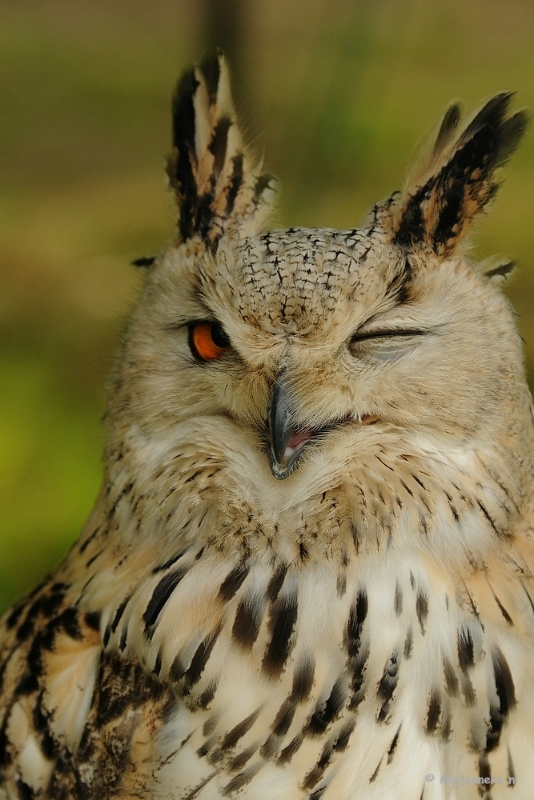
385,345
384,334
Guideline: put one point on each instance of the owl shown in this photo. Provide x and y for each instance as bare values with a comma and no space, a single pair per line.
309,572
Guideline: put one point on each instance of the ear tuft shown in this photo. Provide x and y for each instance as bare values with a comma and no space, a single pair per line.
447,129
218,184
456,182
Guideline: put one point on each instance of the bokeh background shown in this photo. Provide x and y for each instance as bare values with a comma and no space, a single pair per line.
336,93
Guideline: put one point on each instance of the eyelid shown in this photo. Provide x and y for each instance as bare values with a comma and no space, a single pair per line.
187,323
386,334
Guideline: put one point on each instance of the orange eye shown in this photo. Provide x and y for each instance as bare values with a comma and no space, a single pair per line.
207,340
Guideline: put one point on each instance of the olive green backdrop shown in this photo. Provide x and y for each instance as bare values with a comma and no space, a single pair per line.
336,93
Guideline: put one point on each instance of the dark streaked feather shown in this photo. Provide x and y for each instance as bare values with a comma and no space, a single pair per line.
448,127
143,261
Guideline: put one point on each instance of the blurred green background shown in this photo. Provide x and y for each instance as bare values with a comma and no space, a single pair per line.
336,93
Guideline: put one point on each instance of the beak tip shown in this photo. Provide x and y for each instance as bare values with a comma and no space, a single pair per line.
279,471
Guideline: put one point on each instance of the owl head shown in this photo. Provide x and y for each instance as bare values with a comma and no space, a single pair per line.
291,353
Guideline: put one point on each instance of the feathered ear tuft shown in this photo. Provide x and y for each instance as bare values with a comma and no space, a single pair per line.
218,184
455,182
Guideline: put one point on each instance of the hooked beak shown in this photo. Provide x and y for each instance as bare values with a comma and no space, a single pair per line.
286,441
